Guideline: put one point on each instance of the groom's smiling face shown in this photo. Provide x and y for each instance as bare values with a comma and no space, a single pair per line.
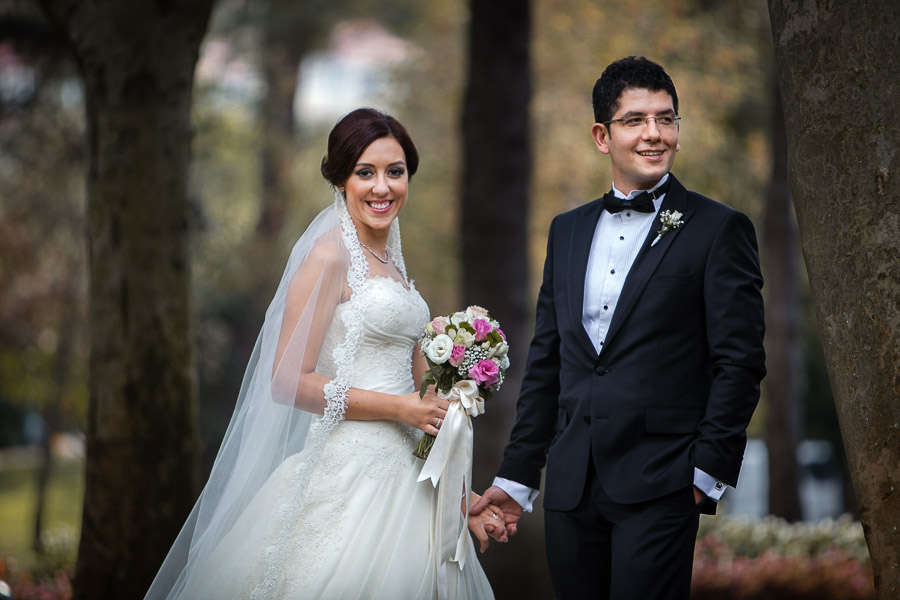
641,155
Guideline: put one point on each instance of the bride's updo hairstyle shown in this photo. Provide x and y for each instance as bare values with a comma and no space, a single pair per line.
353,134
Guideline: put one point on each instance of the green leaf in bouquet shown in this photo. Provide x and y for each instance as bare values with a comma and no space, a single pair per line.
425,383
486,394
494,338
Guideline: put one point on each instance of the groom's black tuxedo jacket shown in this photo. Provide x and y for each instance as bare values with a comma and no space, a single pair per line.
678,378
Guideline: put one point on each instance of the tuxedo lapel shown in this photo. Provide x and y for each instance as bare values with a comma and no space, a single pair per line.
649,256
579,252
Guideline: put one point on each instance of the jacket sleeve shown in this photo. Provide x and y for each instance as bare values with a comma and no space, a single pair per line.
538,404
735,326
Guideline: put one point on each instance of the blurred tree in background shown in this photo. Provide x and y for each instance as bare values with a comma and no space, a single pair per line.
495,190
137,63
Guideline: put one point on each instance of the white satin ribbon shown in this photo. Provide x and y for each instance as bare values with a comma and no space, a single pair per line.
449,467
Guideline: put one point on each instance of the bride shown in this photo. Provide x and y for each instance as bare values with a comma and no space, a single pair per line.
313,493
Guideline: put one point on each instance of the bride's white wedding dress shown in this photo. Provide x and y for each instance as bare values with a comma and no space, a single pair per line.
364,527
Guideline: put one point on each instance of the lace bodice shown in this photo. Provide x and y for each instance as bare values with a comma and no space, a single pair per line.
392,319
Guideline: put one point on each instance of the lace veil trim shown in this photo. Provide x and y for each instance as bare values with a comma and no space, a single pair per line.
335,392
266,427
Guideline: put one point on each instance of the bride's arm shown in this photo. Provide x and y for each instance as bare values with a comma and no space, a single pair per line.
315,291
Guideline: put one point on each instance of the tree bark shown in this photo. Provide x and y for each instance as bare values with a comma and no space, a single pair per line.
495,186
840,87
137,61
780,251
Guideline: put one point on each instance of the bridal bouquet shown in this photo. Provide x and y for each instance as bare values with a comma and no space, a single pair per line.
467,357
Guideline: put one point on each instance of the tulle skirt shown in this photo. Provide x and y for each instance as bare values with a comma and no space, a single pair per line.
365,530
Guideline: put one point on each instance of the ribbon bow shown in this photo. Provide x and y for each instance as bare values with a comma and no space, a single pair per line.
449,467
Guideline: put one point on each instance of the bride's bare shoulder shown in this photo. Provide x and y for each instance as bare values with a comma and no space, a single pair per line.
328,250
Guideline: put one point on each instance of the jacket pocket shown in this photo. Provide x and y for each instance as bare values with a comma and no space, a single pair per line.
672,420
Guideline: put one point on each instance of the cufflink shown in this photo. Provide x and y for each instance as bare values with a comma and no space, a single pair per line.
719,485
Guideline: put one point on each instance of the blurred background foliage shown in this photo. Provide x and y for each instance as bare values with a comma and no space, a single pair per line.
272,79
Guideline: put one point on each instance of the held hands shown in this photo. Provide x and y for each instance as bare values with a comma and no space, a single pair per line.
488,522
426,413
497,497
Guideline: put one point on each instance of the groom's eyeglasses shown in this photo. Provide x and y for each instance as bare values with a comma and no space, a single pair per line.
663,122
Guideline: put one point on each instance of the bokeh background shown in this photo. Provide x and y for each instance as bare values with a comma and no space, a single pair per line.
272,78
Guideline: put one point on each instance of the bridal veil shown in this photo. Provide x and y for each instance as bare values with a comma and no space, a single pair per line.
283,406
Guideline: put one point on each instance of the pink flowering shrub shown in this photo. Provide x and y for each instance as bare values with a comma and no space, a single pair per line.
774,560
27,586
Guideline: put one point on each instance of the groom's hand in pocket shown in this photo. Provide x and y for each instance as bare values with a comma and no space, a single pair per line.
512,510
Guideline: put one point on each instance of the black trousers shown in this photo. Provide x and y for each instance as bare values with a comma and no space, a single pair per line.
613,551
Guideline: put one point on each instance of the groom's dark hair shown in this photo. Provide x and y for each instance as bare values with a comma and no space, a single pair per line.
627,73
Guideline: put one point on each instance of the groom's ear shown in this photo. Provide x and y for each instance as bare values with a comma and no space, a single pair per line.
600,134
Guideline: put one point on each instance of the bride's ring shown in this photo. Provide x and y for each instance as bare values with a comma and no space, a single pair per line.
440,420
494,516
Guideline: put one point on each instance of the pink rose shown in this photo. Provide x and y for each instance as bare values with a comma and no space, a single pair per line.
440,324
457,355
485,373
482,329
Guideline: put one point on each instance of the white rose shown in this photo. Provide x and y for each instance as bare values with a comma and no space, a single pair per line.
464,338
499,350
504,362
438,351
429,328
459,317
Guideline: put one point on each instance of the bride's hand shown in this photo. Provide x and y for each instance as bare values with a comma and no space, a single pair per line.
426,413
488,522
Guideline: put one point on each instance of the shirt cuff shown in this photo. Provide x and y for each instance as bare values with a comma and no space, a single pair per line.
522,494
709,485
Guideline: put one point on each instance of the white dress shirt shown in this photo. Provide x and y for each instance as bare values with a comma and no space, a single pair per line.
618,238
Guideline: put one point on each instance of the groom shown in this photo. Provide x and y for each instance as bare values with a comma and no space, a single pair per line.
645,366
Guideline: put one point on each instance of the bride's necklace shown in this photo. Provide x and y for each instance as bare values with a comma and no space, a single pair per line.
383,261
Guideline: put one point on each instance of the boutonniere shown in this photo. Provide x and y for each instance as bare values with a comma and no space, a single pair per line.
670,219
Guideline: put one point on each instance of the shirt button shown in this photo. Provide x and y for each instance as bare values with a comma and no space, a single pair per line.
606,307
621,237
612,272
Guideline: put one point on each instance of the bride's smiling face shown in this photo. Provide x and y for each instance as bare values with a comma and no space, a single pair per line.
377,188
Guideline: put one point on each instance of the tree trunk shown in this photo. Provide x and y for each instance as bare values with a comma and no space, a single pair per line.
839,85
780,251
137,61
280,67
496,181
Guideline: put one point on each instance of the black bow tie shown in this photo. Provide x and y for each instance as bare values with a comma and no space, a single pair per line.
643,202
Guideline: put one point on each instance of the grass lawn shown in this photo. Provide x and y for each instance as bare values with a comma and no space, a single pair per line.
18,495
